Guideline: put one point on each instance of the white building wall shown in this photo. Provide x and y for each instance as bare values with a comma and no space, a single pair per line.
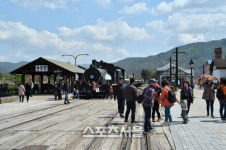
219,73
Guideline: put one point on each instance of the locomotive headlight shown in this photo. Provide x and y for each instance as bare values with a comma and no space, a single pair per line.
91,76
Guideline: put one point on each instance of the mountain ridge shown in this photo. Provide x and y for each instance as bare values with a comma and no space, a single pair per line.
200,52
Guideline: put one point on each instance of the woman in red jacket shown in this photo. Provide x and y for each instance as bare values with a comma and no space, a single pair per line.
165,102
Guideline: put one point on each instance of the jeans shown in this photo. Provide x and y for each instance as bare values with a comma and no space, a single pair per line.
131,105
66,98
209,103
168,116
156,109
189,104
147,122
184,115
223,108
76,95
111,95
121,106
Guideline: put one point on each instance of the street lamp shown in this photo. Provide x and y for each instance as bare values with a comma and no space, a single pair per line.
75,57
192,66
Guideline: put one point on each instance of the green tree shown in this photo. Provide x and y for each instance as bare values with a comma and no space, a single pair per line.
145,74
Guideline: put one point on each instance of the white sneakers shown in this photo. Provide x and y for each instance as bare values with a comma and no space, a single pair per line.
167,123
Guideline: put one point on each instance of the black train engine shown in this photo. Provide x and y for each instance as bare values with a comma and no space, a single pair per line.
104,73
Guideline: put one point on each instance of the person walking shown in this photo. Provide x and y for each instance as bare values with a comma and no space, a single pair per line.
67,89
28,90
59,90
156,104
209,96
21,92
119,94
94,90
107,90
62,90
112,91
55,90
222,100
164,100
32,86
131,97
149,94
186,95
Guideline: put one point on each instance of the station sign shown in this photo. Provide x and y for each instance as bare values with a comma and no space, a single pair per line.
41,68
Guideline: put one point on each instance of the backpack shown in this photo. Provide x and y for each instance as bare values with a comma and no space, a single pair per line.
220,93
140,98
171,96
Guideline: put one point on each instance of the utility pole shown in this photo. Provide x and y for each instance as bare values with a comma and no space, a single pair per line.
203,72
170,70
177,65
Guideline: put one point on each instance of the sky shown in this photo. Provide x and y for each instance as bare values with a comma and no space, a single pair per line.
108,30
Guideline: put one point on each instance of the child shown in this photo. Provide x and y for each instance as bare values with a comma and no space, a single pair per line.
21,92
75,93
111,93
184,109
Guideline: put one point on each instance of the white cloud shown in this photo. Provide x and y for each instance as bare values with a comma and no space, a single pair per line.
52,4
101,48
189,6
27,43
190,38
191,28
135,9
103,3
123,52
114,32
20,36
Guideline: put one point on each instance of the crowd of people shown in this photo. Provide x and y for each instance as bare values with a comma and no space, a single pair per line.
154,95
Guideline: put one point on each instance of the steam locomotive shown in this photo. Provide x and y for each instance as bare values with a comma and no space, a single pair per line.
102,73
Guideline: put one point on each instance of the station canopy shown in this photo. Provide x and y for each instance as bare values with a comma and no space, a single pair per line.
48,66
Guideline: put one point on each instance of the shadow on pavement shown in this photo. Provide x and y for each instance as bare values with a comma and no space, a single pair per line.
214,121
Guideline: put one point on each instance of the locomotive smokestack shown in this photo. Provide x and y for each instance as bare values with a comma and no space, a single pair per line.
94,63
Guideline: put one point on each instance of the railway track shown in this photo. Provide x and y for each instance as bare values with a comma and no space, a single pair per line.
22,114
92,141
38,118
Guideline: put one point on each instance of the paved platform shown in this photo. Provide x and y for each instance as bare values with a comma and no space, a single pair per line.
202,132
47,124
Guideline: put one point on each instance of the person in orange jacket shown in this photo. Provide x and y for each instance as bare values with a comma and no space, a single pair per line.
165,102
223,101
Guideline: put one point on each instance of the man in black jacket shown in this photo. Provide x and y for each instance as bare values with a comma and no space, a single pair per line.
67,89
131,97
119,93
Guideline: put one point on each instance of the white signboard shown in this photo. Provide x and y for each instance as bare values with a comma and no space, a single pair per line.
41,68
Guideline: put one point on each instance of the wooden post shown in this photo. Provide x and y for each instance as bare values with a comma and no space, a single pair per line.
33,78
42,91
23,79
55,78
49,85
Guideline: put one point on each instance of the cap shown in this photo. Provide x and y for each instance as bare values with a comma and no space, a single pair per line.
152,80
121,78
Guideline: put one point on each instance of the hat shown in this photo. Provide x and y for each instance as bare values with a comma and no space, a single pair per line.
121,78
152,80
